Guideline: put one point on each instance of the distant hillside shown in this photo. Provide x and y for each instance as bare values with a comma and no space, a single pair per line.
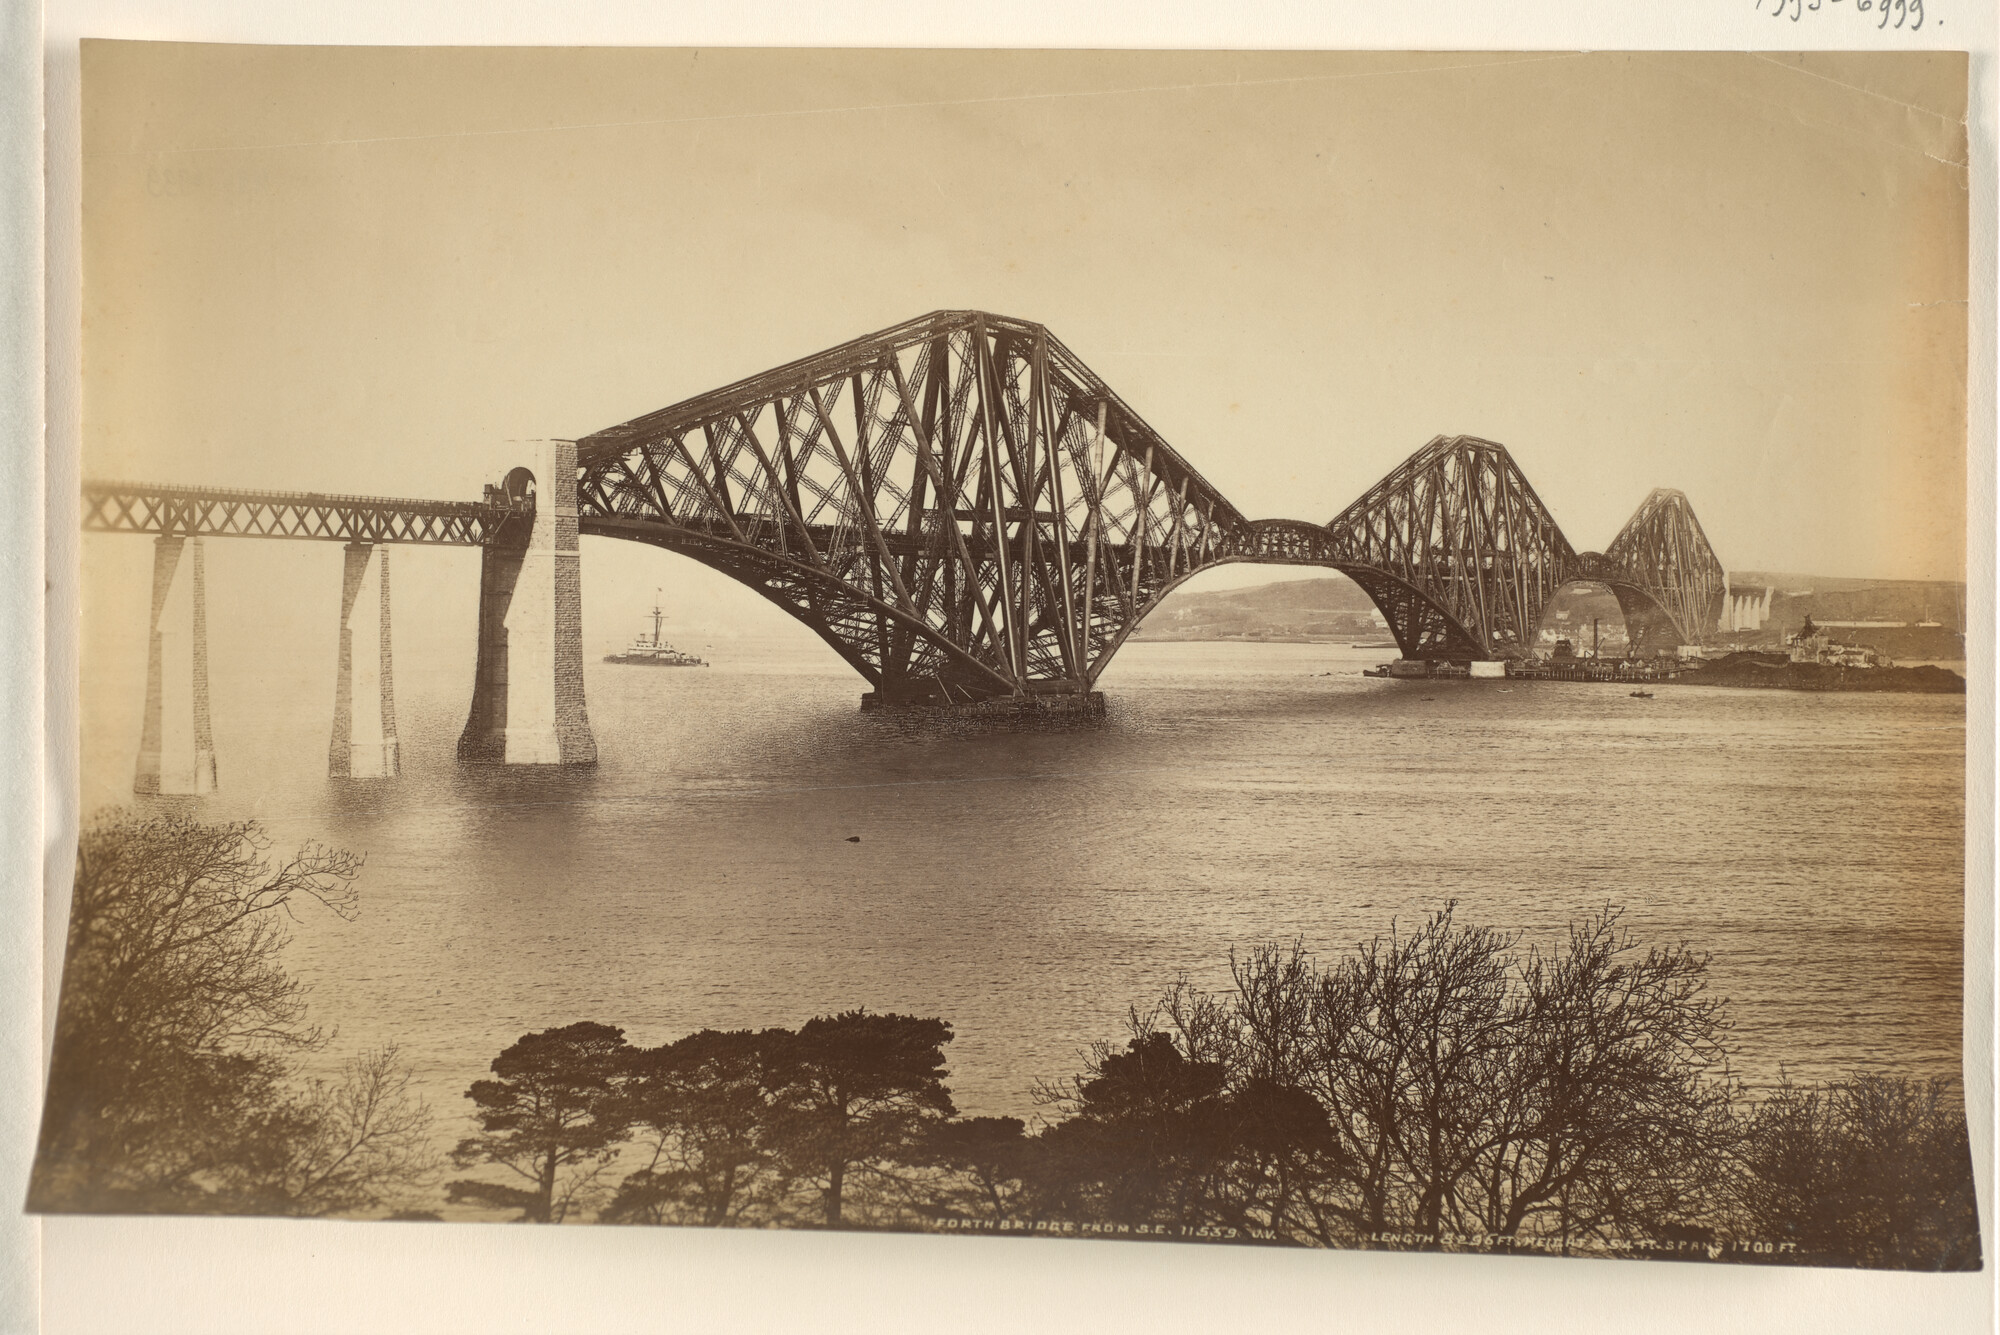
1331,608
1335,608
1904,618
1793,597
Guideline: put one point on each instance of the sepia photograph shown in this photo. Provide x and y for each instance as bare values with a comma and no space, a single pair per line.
1343,650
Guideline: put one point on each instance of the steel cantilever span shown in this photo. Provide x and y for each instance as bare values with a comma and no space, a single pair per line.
964,510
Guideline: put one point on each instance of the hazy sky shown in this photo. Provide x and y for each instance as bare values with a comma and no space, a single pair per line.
369,269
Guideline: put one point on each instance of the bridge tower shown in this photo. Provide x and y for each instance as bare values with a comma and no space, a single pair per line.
364,742
527,693
176,745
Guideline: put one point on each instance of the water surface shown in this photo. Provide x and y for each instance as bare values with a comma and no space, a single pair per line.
1030,887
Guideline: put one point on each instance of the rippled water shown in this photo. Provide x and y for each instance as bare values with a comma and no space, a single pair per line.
1028,887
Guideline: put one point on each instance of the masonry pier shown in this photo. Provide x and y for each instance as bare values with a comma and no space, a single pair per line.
527,693
176,744
364,744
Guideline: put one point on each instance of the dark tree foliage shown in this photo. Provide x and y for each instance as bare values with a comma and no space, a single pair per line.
552,1117
700,1108
734,1126
1439,1083
171,1086
1443,1085
1145,1138
1283,1143
985,1163
854,1094
1872,1171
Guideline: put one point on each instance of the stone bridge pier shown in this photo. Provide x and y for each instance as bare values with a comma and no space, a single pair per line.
527,693
364,744
176,745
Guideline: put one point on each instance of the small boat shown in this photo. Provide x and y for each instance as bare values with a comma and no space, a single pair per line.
1642,695
654,651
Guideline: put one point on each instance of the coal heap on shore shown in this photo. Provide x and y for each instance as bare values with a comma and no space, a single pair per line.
1777,672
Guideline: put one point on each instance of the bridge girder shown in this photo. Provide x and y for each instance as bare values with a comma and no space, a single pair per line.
136,507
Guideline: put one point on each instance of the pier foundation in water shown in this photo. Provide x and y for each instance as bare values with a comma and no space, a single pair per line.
364,744
176,743
527,694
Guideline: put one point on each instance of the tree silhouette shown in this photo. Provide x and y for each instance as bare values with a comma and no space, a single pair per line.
988,1160
1873,1171
1618,1111
1146,1135
170,1086
1283,1145
1439,1082
853,1093
702,1105
350,1145
553,1118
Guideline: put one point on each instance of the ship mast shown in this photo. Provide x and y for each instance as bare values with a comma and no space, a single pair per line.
656,618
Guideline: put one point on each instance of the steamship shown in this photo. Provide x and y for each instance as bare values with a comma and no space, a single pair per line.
652,651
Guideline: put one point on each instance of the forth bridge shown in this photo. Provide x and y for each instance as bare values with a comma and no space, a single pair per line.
958,505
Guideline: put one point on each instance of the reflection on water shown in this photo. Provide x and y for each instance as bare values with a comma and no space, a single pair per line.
1028,887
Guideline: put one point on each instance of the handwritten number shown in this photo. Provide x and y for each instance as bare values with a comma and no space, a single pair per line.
1908,13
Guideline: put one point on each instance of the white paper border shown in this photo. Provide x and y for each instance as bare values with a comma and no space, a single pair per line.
164,1276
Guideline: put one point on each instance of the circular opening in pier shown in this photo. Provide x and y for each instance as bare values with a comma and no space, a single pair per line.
519,485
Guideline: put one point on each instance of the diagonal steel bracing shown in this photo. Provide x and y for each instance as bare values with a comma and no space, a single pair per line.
959,505
1668,580
134,507
1457,543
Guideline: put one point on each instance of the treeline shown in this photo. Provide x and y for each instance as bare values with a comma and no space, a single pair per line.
1441,1088
175,1084
765,1126
1444,1087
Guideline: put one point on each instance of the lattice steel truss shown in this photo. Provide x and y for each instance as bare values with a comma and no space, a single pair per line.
1667,578
1457,550
130,507
958,505
962,509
